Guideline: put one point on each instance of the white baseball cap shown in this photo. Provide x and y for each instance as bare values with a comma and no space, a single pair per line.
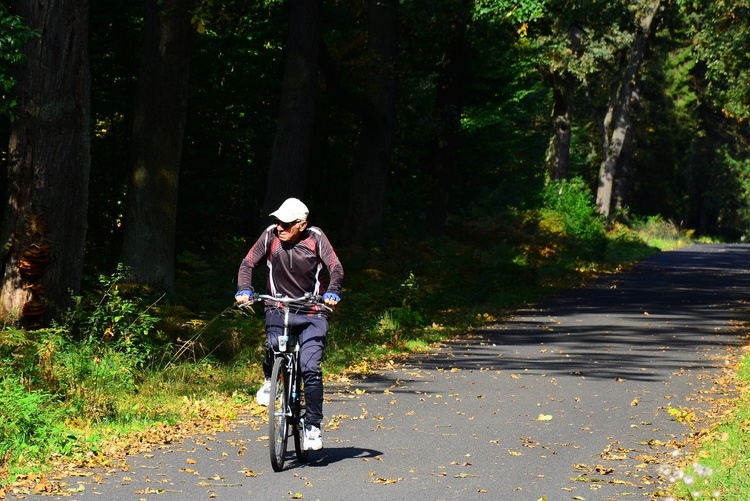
291,210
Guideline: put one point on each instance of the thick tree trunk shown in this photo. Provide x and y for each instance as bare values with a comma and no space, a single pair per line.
558,155
622,111
156,148
367,203
290,153
44,224
451,90
624,177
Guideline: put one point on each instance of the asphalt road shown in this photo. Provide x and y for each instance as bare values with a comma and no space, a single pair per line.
565,400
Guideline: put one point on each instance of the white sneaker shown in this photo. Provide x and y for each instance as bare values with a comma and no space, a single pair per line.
264,394
313,438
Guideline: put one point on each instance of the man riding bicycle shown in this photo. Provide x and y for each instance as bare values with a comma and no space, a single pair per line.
296,255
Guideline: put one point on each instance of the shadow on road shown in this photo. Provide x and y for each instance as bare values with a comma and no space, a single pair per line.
331,455
636,325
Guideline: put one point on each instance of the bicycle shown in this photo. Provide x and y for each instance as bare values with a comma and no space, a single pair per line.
286,409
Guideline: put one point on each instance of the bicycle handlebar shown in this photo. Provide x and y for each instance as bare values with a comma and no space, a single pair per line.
286,300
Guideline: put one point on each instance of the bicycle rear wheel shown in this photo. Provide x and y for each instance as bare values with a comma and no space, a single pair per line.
278,407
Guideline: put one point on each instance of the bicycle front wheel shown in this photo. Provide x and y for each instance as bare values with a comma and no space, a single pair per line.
278,408
298,428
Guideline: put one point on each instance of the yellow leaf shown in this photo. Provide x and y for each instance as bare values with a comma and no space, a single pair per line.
544,417
386,481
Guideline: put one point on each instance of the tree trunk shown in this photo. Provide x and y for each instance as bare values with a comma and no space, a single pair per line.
367,202
624,177
452,82
290,153
156,147
621,113
44,223
558,156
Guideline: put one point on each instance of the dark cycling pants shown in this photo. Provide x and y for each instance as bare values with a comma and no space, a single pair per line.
312,330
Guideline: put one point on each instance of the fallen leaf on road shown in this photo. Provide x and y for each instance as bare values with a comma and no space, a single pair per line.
683,416
544,417
386,481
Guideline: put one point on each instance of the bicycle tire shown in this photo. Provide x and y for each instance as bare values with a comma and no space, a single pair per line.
278,405
298,430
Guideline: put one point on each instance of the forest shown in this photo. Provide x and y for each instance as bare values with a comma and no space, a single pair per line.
155,133
449,149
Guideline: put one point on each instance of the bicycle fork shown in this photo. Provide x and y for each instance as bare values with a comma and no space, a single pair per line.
293,371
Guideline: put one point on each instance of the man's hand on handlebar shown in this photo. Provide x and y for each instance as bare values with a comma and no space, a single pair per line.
244,296
331,299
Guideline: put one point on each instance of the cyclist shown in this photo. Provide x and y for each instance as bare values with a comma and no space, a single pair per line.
296,255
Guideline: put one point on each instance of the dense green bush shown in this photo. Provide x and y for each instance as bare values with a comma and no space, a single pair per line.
572,202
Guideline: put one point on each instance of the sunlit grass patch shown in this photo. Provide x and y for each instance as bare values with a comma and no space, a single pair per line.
720,467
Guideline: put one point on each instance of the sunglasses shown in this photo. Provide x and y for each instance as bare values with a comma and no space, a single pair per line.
286,226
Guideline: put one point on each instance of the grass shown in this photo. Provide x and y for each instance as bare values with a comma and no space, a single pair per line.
719,467
125,370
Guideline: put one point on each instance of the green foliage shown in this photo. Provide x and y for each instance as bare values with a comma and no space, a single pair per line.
93,376
117,317
571,202
720,40
91,359
30,422
395,320
13,35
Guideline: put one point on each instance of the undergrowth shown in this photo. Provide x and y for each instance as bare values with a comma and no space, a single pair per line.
125,359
